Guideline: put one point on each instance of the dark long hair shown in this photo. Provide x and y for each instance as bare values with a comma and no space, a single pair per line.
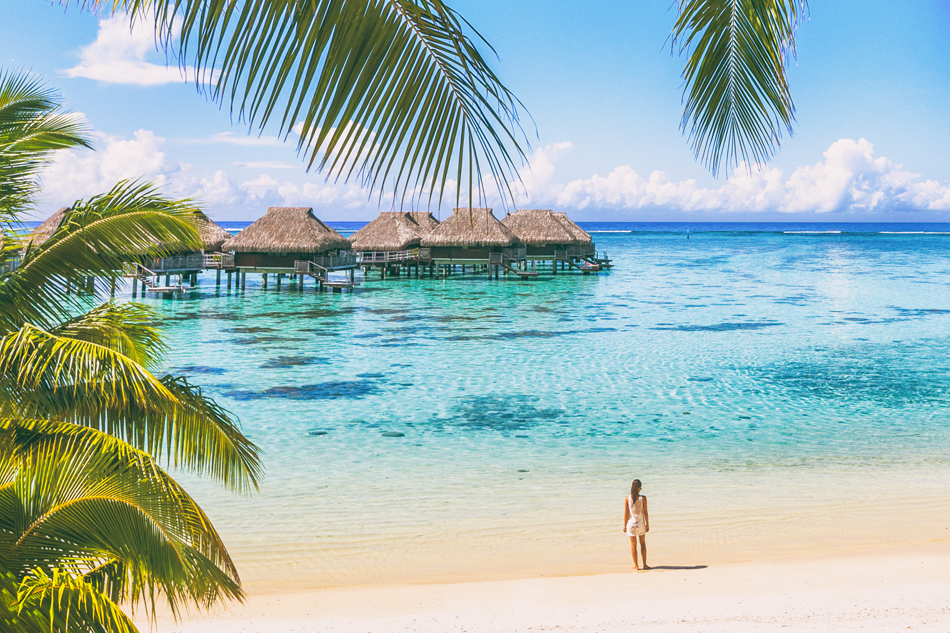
635,490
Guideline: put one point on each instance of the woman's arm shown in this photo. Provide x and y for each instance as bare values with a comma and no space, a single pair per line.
646,514
626,514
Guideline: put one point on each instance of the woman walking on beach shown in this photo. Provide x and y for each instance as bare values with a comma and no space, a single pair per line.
636,522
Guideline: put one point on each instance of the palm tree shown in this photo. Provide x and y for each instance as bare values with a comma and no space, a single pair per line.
391,93
88,517
737,99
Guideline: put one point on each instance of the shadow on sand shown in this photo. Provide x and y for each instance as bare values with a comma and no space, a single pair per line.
677,567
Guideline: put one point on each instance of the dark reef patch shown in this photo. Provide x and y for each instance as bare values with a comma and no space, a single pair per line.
720,327
248,330
321,391
200,369
283,362
498,413
257,340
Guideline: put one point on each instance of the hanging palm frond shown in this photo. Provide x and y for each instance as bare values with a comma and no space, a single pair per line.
737,95
32,124
394,94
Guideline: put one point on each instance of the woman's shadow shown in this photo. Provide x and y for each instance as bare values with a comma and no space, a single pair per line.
677,567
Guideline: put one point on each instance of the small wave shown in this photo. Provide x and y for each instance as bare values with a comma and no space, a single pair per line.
812,232
610,231
914,232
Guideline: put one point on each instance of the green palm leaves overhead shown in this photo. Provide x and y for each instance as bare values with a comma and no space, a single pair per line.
32,124
89,519
737,99
393,94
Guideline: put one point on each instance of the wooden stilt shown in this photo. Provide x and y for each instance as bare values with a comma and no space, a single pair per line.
229,281
135,287
243,281
264,280
217,278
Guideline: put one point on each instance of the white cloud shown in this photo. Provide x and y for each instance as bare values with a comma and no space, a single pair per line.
259,187
265,164
230,138
79,173
849,179
119,56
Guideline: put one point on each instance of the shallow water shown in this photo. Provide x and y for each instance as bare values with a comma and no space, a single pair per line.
776,392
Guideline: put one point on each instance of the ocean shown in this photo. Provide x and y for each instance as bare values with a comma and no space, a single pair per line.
780,389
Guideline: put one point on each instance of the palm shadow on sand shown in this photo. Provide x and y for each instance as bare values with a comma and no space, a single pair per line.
677,567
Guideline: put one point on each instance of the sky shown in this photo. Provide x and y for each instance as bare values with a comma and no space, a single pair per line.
603,92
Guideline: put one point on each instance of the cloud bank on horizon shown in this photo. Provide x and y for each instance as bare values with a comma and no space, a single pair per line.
849,180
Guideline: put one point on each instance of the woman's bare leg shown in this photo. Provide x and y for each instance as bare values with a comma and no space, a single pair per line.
633,551
643,550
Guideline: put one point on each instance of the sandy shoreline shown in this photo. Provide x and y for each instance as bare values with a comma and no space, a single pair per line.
906,588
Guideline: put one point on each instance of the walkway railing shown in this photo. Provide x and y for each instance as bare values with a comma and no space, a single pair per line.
385,257
218,260
307,267
332,262
194,261
517,253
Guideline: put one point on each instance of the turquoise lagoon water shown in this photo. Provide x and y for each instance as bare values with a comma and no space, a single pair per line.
776,392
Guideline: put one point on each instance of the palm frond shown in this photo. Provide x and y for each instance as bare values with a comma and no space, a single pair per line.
72,603
47,376
737,98
126,328
86,502
94,240
32,126
392,93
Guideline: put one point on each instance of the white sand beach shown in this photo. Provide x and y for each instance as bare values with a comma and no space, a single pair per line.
906,588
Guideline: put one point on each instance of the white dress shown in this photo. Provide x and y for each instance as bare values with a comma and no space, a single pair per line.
637,523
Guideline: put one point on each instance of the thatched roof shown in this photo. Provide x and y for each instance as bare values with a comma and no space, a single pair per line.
211,234
425,220
391,231
287,230
580,235
471,227
45,230
538,227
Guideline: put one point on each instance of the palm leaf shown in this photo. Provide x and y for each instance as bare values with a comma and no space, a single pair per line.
391,93
86,502
72,603
127,328
94,240
32,126
737,98
47,376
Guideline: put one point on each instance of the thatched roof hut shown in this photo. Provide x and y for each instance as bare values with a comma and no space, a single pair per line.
538,227
287,230
425,220
580,235
391,231
45,230
471,228
212,235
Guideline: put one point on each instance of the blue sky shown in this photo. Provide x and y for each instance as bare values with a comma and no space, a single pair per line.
871,84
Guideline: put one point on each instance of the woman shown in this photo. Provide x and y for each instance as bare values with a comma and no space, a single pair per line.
636,522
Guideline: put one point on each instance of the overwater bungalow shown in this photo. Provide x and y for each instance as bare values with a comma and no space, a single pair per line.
391,232
541,232
292,241
473,237
45,230
180,261
426,221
